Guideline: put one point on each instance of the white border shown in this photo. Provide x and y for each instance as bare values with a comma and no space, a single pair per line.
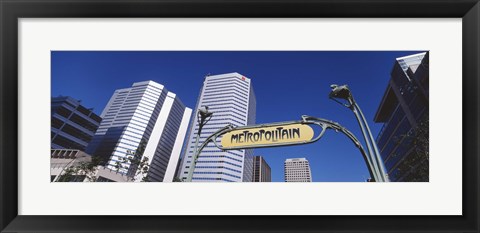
441,196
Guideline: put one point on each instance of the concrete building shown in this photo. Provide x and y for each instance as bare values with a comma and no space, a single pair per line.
72,124
261,170
297,170
147,120
107,175
231,99
62,159
404,108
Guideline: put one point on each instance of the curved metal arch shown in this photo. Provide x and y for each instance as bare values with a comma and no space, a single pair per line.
198,150
214,136
323,123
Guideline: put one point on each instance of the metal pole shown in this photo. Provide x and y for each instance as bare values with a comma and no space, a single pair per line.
379,159
193,163
337,127
365,158
375,168
343,92
198,150
203,116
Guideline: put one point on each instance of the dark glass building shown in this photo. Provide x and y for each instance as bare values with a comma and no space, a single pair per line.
403,140
72,125
261,170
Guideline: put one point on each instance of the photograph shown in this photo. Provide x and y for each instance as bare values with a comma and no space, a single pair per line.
287,116
239,116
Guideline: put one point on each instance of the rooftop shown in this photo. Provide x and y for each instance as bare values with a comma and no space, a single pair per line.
296,160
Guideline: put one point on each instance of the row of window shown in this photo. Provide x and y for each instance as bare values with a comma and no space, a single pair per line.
217,173
218,156
216,109
237,96
227,100
208,161
219,167
229,80
84,121
236,84
221,124
224,95
226,104
223,81
207,178
67,143
225,89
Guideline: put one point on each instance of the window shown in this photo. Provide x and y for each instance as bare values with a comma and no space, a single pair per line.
56,123
62,111
103,179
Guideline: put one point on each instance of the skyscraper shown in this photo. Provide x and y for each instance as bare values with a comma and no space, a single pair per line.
145,117
297,170
261,170
231,99
403,139
73,125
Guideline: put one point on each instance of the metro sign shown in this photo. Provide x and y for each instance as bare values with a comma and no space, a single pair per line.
267,136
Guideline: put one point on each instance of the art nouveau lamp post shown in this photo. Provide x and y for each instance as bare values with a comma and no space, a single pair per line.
203,117
343,92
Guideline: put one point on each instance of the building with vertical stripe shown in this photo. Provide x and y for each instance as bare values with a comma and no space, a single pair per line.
72,124
145,116
231,99
261,170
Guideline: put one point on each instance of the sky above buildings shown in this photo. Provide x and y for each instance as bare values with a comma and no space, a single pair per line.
287,84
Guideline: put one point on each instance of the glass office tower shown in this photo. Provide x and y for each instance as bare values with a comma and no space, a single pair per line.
404,114
145,116
231,99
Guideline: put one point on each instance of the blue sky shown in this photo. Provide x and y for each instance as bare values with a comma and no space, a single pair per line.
287,84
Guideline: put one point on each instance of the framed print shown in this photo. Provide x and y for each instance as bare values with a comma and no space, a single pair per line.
316,116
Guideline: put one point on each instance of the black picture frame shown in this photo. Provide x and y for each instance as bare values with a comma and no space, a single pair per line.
11,11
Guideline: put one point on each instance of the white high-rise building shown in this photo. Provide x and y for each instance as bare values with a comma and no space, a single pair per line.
231,99
146,117
297,170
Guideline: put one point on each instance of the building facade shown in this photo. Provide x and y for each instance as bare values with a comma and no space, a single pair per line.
261,170
63,159
72,125
403,140
231,99
297,170
145,120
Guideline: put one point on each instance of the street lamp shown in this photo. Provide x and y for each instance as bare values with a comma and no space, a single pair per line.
374,158
203,116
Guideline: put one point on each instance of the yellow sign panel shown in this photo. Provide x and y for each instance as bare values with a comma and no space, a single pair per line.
267,136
